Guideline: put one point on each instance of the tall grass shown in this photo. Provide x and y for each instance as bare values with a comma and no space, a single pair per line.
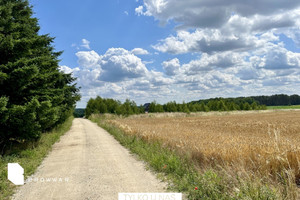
221,166
29,156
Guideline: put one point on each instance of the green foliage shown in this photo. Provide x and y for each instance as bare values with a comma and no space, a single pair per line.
170,106
79,112
229,104
129,108
35,95
154,107
221,106
100,106
23,119
247,106
273,100
3,109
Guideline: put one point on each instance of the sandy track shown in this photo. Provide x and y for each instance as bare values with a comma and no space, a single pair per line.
91,165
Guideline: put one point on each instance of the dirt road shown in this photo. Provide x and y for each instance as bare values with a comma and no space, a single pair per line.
88,163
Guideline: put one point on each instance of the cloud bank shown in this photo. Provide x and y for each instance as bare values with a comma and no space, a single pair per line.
218,48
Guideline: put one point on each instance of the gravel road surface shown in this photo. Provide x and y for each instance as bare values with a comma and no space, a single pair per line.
88,163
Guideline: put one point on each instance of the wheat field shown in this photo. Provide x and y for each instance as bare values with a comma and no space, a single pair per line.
264,143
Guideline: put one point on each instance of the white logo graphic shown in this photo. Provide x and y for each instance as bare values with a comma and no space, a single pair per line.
15,173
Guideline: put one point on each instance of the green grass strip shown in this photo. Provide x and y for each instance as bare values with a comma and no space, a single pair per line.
283,107
29,156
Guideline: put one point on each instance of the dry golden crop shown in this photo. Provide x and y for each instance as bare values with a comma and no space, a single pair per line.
264,143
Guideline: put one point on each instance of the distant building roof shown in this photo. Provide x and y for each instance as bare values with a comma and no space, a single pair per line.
146,107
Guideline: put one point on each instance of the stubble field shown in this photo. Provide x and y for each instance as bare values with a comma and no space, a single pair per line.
259,144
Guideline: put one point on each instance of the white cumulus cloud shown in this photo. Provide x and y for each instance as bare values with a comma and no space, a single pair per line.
171,67
119,64
85,44
139,51
88,59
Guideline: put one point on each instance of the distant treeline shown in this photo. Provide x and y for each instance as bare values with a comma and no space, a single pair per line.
273,100
211,105
79,112
102,105
278,100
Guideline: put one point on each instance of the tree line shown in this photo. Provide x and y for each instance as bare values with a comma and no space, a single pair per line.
35,95
211,105
79,112
107,105
103,105
273,100
100,105
278,100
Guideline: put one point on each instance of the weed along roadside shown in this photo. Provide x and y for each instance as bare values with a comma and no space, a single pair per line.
29,156
196,181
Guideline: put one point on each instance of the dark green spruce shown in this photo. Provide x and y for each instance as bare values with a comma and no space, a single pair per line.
35,95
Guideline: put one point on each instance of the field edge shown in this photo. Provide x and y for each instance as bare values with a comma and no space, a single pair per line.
181,173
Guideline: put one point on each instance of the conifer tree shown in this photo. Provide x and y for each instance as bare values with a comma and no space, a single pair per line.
35,95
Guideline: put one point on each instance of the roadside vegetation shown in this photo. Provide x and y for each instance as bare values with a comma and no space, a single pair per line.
29,155
230,156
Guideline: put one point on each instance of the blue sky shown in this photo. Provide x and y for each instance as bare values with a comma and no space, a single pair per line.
167,50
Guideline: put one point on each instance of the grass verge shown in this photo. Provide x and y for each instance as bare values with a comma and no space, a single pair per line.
184,176
29,156
283,107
